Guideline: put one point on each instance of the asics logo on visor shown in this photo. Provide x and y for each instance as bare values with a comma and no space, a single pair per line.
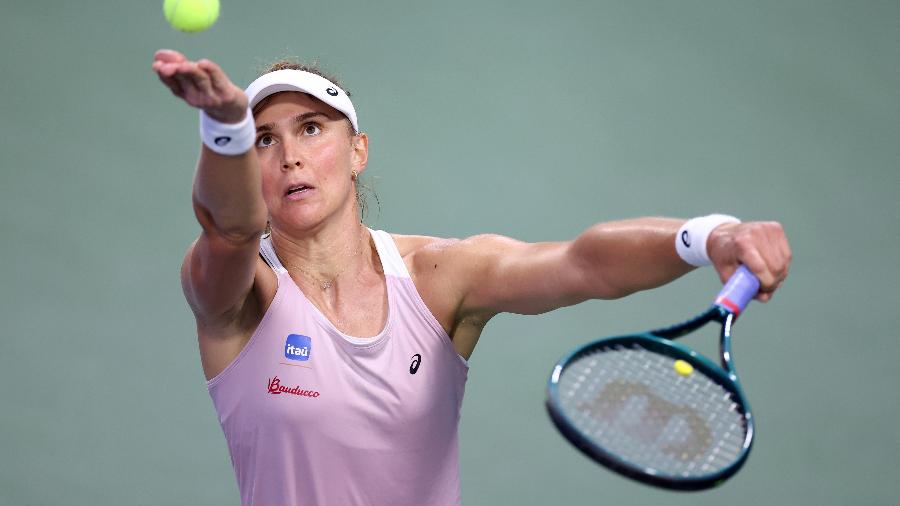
331,91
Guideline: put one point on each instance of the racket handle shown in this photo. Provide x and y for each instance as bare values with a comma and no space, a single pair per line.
738,291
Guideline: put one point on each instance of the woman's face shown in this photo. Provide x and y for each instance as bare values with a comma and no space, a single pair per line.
307,157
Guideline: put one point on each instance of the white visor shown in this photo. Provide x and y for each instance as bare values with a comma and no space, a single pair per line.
305,82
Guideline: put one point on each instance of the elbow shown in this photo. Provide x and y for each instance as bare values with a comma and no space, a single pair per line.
235,231
241,235
244,231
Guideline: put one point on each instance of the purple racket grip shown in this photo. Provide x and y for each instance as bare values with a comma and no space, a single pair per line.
738,291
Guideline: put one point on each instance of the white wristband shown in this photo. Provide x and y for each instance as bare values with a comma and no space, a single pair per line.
228,138
690,243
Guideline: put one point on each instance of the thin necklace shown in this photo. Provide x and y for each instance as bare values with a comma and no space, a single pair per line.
325,284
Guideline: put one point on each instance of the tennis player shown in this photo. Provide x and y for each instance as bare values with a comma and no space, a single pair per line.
336,355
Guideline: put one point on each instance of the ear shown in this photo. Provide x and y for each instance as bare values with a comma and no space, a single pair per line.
360,156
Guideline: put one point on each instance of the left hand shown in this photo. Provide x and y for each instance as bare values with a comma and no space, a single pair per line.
201,84
760,245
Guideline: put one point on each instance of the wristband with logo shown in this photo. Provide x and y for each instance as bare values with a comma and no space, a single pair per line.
228,138
690,243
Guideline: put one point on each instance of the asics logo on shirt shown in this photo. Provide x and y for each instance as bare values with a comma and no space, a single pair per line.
297,347
414,366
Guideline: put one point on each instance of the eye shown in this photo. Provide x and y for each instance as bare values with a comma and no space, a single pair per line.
265,141
312,129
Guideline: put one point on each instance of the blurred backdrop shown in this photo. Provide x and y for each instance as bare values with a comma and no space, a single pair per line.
530,119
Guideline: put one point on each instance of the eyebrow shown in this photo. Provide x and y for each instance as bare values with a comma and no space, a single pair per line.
300,118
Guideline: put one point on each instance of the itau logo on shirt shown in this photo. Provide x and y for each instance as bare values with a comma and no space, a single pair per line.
297,347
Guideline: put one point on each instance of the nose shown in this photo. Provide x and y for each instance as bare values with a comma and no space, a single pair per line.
291,157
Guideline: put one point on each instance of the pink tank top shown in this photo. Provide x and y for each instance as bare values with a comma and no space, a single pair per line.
313,416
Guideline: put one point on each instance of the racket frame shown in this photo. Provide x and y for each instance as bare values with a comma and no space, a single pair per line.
660,341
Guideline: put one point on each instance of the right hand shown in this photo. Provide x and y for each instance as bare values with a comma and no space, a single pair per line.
761,246
201,84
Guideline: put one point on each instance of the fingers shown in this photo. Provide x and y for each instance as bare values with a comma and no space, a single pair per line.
200,80
756,262
786,252
185,84
201,84
777,254
185,78
171,82
185,81
761,246
168,56
763,249
166,64
217,77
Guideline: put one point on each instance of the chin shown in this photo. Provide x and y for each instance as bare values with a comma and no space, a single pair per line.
308,216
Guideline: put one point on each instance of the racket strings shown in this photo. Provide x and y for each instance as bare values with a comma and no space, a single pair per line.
632,403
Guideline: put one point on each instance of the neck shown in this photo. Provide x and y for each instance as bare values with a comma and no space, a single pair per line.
326,254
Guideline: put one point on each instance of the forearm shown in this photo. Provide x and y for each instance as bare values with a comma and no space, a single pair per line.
228,195
494,274
227,188
622,257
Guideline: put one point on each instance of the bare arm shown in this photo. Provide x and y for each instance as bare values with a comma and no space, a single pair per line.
493,274
218,270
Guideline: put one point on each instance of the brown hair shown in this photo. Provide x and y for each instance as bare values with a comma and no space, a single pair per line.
362,188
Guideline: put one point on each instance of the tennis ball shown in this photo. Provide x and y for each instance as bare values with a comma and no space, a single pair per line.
191,15
683,368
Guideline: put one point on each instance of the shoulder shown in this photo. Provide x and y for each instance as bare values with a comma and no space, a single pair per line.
451,267
443,270
420,251
412,244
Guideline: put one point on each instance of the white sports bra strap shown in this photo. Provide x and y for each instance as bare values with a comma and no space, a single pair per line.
268,253
391,260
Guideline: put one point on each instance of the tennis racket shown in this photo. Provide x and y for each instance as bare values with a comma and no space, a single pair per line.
657,411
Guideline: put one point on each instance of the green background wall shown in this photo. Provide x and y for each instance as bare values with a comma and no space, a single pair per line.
530,119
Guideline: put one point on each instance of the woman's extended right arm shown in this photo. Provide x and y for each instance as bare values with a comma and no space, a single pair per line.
219,269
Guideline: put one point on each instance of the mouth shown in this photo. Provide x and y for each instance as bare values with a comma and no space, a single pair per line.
298,190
